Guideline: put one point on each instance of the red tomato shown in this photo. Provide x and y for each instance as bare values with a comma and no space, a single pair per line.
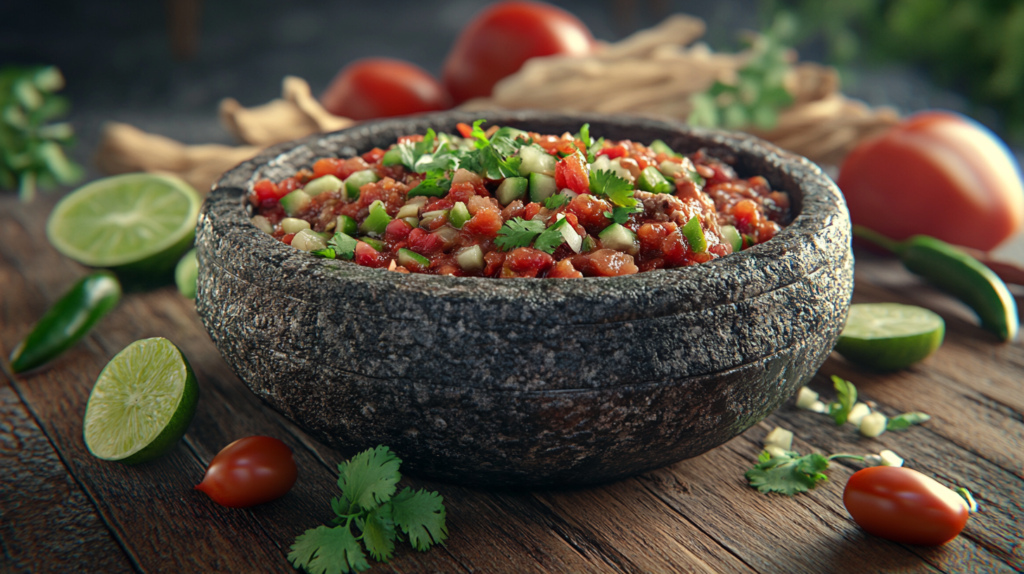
381,88
939,174
903,505
572,172
500,39
250,471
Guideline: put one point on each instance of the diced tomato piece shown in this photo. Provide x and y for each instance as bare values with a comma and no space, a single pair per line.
441,203
465,129
266,189
373,156
367,256
564,270
606,263
462,192
327,166
397,230
485,222
494,259
287,239
651,235
411,138
614,151
530,210
287,186
423,242
571,172
676,249
746,214
590,212
527,262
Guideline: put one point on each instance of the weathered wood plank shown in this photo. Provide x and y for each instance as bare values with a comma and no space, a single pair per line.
47,524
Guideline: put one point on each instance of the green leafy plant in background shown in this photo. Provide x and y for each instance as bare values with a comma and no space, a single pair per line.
759,92
31,147
973,46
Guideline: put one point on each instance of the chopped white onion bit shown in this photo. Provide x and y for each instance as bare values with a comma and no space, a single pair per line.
779,437
308,240
819,407
263,224
294,225
806,398
873,424
775,450
889,458
858,412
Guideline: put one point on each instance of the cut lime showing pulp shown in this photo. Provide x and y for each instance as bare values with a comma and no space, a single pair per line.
142,403
186,274
140,223
889,336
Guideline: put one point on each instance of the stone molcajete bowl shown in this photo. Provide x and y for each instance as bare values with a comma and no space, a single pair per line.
527,382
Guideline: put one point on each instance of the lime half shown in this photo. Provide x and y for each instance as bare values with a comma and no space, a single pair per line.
138,224
889,336
142,403
186,274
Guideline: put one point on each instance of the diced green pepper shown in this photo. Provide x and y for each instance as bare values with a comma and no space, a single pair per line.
375,243
408,258
392,157
459,215
346,225
378,219
694,234
658,146
651,180
357,180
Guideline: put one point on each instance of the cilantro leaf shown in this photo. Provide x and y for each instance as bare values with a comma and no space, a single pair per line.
616,189
379,533
552,237
341,246
584,135
434,185
479,136
594,148
517,232
556,201
421,515
412,152
696,177
507,141
369,478
493,166
621,214
326,550
788,474
846,394
906,420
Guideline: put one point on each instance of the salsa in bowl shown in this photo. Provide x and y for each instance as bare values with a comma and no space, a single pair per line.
508,203
526,381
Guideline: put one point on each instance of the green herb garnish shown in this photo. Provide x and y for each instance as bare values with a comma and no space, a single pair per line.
906,420
790,473
368,501
846,395
517,232
556,201
552,237
616,189
341,246
436,184
621,214
32,148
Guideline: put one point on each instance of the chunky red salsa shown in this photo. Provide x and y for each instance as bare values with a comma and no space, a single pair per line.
509,203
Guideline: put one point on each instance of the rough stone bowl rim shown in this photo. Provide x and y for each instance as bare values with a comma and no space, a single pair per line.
250,171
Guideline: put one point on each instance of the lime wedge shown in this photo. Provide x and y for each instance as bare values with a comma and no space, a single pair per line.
186,274
137,224
142,403
889,336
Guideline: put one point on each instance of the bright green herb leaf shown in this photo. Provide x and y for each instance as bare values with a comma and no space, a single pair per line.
379,533
846,397
696,178
507,141
906,420
369,478
517,232
434,185
326,550
341,246
621,214
788,474
479,136
616,189
421,515
552,237
556,201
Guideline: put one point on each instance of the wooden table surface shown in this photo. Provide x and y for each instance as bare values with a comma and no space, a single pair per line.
62,510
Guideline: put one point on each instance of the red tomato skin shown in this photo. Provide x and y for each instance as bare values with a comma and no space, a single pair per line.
382,88
500,39
250,471
572,172
903,505
936,173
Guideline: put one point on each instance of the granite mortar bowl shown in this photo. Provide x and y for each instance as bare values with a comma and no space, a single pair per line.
527,382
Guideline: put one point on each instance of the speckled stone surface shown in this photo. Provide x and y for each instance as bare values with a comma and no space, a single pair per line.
527,382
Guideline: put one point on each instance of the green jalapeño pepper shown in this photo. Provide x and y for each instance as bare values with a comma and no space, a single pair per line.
958,274
67,321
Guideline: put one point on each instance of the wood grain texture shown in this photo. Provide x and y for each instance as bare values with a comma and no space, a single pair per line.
695,516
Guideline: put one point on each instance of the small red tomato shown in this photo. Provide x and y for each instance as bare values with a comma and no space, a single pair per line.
250,471
505,35
903,505
939,174
382,88
571,172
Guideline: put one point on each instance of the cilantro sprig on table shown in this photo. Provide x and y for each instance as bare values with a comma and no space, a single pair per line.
368,501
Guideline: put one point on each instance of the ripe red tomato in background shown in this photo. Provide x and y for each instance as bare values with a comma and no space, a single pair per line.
936,173
500,39
903,505
250,471
382,88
